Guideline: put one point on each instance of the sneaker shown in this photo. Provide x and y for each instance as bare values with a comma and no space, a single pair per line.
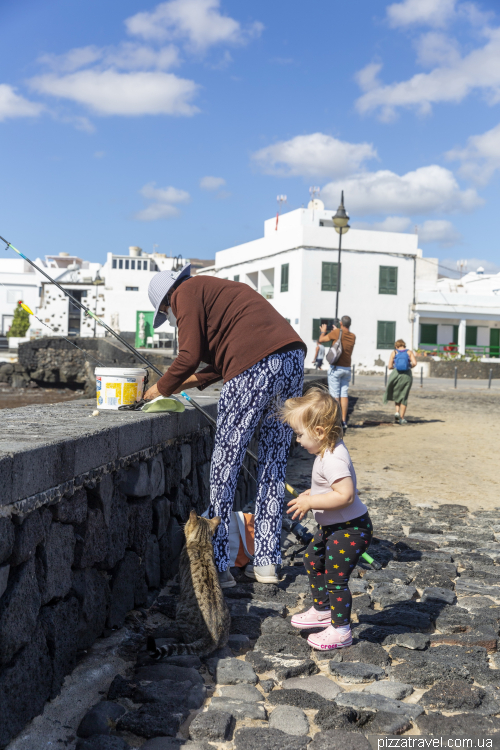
344,426
403,421
312,619
329,639
397,417
226,579
262,573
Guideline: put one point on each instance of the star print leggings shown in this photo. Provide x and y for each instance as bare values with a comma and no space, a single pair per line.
330,559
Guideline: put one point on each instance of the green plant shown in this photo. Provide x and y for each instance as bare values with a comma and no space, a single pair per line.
20,322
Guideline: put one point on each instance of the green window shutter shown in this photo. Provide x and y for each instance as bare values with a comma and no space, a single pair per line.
455,334
494,342
388,280
330,281
284,277
237,277
386,334
428,333
471,336
316,325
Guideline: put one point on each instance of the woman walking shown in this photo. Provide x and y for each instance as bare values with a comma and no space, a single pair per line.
401,361
244,341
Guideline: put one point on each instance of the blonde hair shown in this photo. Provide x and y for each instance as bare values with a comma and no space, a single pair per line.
315,409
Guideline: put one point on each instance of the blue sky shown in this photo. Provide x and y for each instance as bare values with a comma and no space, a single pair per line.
177,124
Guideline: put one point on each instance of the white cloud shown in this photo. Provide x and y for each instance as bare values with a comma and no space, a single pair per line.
481,156
198,22
367,77
451,81
431,189
109,92
433,230
423,12
212,183
440,231
315,155
435,48
14,105
390,224
125,56
162,202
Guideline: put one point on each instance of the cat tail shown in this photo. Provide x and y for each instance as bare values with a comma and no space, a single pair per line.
199,647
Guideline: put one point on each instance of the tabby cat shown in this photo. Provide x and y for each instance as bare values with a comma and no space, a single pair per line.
202,616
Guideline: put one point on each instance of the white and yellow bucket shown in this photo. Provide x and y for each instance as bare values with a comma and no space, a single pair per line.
117,386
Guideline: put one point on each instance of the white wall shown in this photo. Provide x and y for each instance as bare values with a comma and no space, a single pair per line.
18,282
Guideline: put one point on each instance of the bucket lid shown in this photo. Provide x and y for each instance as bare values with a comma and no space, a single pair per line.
120,371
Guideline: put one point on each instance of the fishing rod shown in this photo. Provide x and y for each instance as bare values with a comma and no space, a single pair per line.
143,359
86,310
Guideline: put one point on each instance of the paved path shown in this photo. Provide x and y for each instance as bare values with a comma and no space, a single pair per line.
424,658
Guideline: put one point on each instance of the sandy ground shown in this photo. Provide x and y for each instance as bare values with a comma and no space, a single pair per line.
448,453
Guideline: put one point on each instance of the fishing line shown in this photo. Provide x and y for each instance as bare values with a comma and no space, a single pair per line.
141,358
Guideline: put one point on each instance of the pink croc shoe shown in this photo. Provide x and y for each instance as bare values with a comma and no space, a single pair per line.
329,639
312,619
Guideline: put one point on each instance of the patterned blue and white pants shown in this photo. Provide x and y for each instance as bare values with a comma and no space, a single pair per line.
244,401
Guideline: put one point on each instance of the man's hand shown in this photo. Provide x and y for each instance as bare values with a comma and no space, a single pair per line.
152,393
323,328
300,505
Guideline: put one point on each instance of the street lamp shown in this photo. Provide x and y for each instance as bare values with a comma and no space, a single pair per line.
341,224
96,282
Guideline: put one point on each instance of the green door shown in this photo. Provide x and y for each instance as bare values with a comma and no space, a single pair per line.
143,327
494,342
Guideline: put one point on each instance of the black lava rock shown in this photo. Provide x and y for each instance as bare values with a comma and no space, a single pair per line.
103,742
101,719
371,653
213,726
455,695
339,740
152,720
248,738
298,698
341,717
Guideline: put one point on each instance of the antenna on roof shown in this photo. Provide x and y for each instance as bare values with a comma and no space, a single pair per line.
281,199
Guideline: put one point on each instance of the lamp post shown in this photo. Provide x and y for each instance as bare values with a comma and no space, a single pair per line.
96,282
341,224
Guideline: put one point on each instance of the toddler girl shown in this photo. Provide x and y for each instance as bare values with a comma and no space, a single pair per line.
344,528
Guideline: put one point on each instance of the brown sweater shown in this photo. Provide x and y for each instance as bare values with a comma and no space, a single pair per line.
225,324
348,341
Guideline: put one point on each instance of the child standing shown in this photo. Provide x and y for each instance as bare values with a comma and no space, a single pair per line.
344,528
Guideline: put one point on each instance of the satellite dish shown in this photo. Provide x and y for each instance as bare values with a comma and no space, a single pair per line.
316,205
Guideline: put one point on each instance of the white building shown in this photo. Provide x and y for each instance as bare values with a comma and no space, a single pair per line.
117,292
296,267
19,282
464,312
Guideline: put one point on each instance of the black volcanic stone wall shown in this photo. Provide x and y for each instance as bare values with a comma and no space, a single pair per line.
70,572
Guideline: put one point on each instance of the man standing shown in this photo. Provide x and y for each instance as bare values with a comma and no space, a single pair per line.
339,374
244,341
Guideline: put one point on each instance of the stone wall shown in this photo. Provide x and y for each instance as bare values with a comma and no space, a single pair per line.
91,511
55,362
466,370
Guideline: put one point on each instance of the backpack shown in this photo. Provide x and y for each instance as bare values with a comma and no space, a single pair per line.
334,352
402,360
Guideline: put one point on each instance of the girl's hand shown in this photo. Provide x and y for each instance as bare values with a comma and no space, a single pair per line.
300,505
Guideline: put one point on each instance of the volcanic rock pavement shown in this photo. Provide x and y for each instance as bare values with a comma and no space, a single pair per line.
424,658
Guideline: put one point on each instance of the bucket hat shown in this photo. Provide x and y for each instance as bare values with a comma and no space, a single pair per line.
159,286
